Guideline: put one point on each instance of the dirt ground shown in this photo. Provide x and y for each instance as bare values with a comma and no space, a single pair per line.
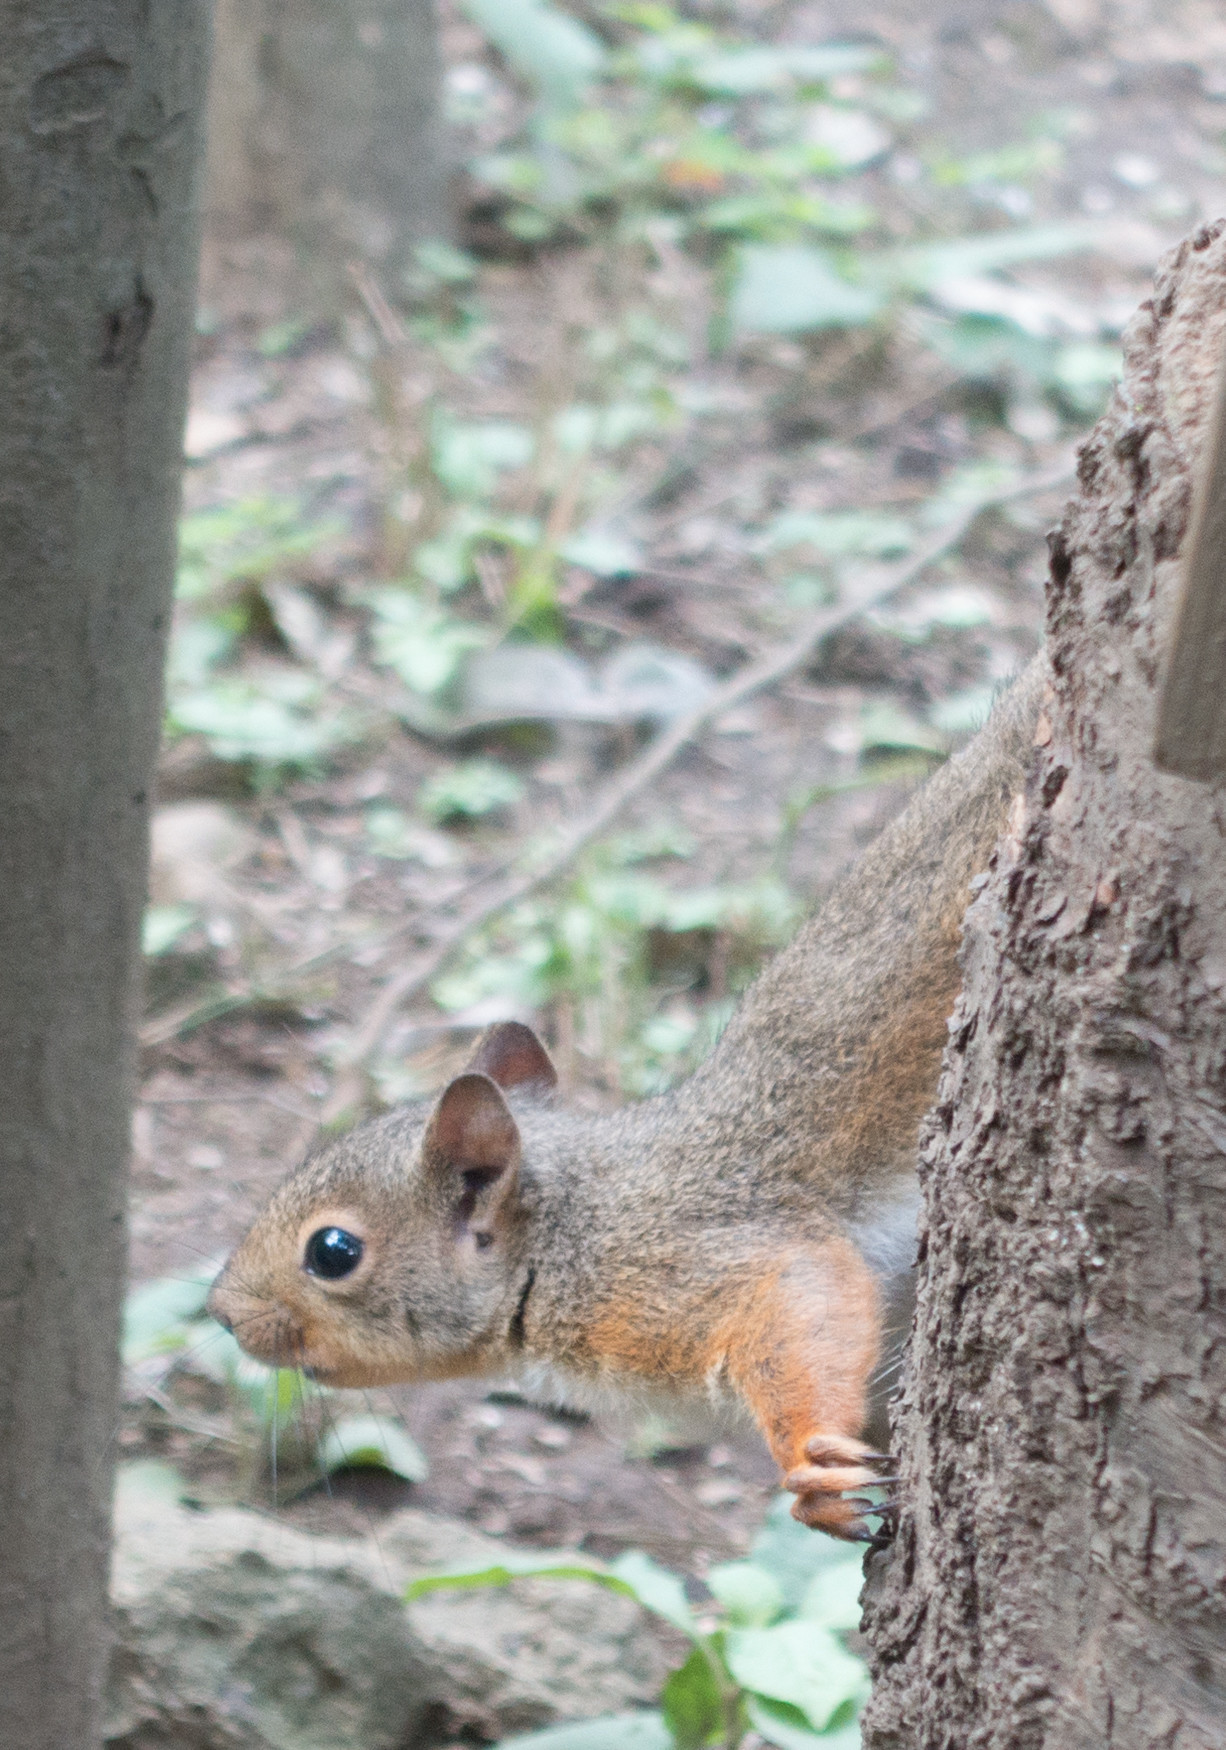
228,1106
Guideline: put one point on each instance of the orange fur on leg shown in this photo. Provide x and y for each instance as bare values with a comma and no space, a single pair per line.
801,1352
796,1333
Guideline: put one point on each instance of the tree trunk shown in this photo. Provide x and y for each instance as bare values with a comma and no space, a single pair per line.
325,131
1059,1577
100,109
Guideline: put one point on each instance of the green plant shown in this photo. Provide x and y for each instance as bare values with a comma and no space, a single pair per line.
741,145
469,791
422,643
638,973
273,721
767,1651
242,543
243,673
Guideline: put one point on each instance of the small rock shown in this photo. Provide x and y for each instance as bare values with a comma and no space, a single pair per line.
236,1632
719,1492
209,431
515,1658
193,844
552,1438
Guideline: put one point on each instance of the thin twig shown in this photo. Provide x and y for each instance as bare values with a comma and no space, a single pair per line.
174,1023
639,774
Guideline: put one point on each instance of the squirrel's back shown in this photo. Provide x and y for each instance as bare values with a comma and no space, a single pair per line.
831,1059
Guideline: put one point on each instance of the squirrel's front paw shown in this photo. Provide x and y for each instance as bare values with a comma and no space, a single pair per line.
836,1465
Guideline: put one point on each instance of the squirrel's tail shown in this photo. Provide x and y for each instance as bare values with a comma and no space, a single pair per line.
841,1037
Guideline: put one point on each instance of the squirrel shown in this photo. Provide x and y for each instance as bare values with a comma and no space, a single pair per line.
740,1236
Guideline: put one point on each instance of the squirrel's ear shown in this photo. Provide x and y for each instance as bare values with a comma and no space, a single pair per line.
512,1055
472,1143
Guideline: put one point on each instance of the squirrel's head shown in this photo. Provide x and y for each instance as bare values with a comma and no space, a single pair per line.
393,1253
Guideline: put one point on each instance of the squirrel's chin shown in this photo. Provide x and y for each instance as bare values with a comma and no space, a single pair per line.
343,1378
348,1375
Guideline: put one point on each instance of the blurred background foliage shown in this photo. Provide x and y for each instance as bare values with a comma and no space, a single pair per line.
704,327
698,209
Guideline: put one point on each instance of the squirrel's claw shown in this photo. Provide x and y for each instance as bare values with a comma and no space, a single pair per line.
822,1488
841,1516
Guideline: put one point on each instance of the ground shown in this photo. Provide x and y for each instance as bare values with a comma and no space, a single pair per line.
274,874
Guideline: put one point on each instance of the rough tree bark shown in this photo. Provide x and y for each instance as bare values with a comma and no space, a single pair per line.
100,109
1059,1578
325,130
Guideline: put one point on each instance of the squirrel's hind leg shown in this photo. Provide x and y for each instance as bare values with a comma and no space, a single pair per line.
801,1348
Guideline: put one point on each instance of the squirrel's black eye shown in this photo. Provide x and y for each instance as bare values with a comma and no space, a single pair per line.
332,1253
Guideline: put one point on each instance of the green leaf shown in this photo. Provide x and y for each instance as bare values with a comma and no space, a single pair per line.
391,833
986,348
469,457
280,338
748,71
469,791
1017,162
927,264
148,1479
602,554
961,713
751,1596
791,1552
556,54
270,1396
799,1663
641,1731
790,288
420,642
840,534
443,263
447,560
197,645
1087,364
956,604
518,980
517,1565
276,720
156,1314
832,1598
633,1573
886,726
849,138
246,541
786,1727
752,69
692,1705
668,1035
1083,372
162,927
656,1589
968,485
275,1394
375,1442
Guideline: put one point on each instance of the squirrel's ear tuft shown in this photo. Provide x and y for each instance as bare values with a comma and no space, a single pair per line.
512,1055
471,1132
